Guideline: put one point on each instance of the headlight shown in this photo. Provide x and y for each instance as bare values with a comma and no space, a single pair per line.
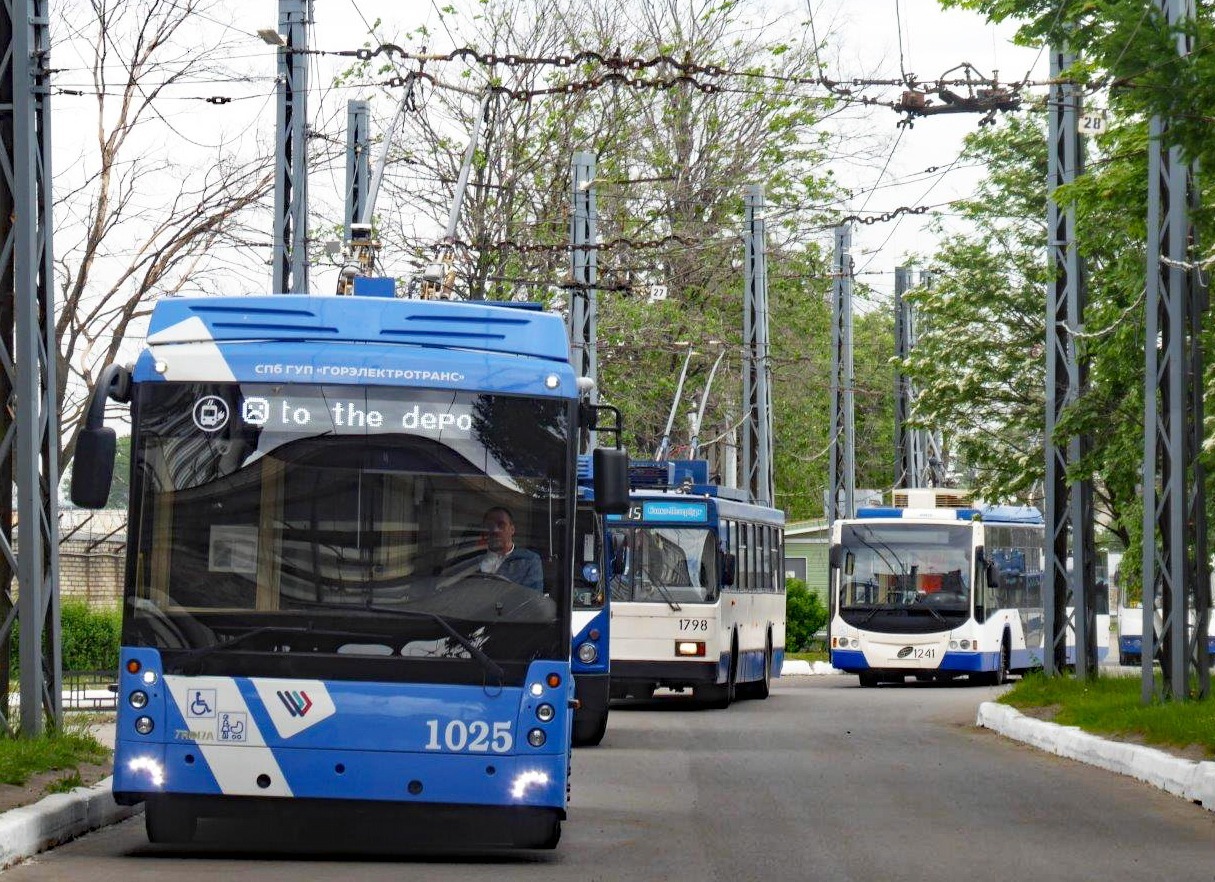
587,653
536,738
144,725
965,644
149,677
138,699
545,713
855,643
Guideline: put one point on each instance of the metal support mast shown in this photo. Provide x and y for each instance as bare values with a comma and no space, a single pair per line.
291,157
757,394
357,235
583,299
1069,502
842,471
908,456
1176,569
29,451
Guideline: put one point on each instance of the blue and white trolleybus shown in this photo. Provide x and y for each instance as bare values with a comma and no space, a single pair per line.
312,612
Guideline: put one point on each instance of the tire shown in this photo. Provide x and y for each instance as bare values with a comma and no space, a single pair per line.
718,696
554,837
762,688
588,733
536,832
868,679
999,676
167,823
1001,672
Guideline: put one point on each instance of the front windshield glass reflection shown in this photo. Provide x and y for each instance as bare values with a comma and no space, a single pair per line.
925,565
663,564
354,513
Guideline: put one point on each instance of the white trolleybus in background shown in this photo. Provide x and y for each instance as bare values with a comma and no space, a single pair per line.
936,589
697,588
1130,621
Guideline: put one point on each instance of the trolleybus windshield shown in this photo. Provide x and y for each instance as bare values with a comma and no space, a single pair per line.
894,567
663,564
291,522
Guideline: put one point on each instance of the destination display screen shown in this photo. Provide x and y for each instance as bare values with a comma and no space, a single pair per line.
313,410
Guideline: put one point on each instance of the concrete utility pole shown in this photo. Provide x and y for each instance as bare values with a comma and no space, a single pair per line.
584,274
290,274
1176,568
1069,502
757,390
841,502
29,431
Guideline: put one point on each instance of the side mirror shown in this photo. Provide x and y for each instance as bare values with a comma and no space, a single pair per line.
93,462
93,467
849,563
727,569
834,557
611,471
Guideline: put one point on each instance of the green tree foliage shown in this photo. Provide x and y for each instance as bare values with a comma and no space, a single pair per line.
978,360
805,615
983,360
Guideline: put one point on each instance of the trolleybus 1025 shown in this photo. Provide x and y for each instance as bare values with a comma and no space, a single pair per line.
311,618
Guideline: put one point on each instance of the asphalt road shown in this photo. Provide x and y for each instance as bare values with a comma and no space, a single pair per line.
822,781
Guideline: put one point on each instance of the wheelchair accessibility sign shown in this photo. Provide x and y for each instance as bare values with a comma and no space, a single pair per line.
201,704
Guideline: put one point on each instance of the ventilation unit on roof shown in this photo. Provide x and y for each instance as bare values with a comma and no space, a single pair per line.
932,497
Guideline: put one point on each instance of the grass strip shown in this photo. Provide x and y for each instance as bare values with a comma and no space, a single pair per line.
1112,706
22,758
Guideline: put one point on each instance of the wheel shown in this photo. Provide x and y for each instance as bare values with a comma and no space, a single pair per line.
589,732
1001,675
719,695
761,688
868,679
537,832
715,696
168,823
554,836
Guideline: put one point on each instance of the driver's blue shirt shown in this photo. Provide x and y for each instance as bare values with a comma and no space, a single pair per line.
523,566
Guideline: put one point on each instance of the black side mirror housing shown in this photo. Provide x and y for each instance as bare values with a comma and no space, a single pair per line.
96,445
611,470
93,467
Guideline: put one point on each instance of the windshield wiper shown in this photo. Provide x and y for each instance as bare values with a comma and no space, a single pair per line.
202,652
666,595
491,666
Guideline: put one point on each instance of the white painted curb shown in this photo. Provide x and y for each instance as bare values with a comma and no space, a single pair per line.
1189,779
795,667
26,831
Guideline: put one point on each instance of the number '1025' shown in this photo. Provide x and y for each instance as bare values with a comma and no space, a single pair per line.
478,736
